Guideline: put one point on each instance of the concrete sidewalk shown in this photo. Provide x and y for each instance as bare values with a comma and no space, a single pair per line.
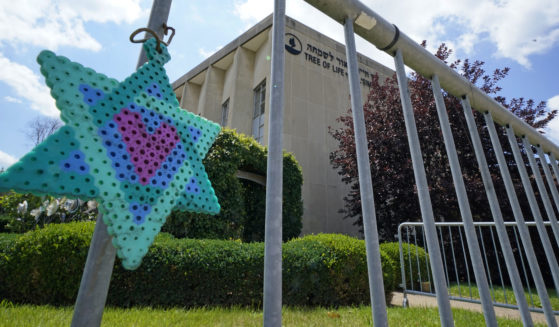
429,301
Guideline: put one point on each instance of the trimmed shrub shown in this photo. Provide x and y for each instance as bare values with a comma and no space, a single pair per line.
413,254
45,267
330,270
242,202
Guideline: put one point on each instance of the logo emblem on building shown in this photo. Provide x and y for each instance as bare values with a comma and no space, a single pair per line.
293,44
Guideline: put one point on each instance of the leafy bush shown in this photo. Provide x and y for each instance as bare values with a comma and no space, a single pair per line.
413,254
330,270
45,267
242,202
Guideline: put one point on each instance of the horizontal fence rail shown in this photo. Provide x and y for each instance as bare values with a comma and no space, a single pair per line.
416,274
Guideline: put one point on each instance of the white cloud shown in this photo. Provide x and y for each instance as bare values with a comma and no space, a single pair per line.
517,28
553,102
28,85
55,23
6,160
8,98
552,129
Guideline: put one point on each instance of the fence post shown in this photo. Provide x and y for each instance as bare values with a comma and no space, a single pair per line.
94,285
374,268
274,184
441,288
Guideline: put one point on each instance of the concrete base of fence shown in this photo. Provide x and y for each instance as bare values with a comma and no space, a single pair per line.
431,301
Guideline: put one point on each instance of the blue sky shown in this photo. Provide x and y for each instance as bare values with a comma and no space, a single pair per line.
522,35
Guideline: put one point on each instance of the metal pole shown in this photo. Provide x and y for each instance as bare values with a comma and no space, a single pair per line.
157,18
542,232
521,223
464,205
497,214
466,262
274,186
498,265
454,260
423,193
94,286
376,286
440,229
96,278
426,261
486,262
524,271
551,184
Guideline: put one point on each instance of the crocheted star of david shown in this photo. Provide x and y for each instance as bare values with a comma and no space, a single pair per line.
128,145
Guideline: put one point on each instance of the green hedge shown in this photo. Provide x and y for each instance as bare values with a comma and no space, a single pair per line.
413,253
242,202
45,267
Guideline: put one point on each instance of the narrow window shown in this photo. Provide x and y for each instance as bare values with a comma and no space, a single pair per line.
258,115
224,112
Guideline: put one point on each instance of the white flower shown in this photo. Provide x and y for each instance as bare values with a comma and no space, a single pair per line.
52,207
36,212
22,207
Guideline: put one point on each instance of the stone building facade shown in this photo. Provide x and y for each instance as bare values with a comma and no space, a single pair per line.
232,87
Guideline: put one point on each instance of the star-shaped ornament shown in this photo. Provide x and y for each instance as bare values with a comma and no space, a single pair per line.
128,145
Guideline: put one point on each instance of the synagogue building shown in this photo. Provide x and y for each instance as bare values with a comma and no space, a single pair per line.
232,88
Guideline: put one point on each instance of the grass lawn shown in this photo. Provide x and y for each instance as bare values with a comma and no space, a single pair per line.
499,295
45,316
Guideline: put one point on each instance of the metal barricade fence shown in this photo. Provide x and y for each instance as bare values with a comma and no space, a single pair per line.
416,272
363,21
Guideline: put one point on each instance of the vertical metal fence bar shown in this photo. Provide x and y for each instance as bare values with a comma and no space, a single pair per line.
542,232
464,205
444,256
549,178
504,240
426,263
441,288
94,285
454,261
274,186
417,258
521,223
466,262
409,257
402,264
543,191
498,264
378,303
524,271
486,262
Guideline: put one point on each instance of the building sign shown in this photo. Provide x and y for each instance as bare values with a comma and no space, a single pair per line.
324,58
